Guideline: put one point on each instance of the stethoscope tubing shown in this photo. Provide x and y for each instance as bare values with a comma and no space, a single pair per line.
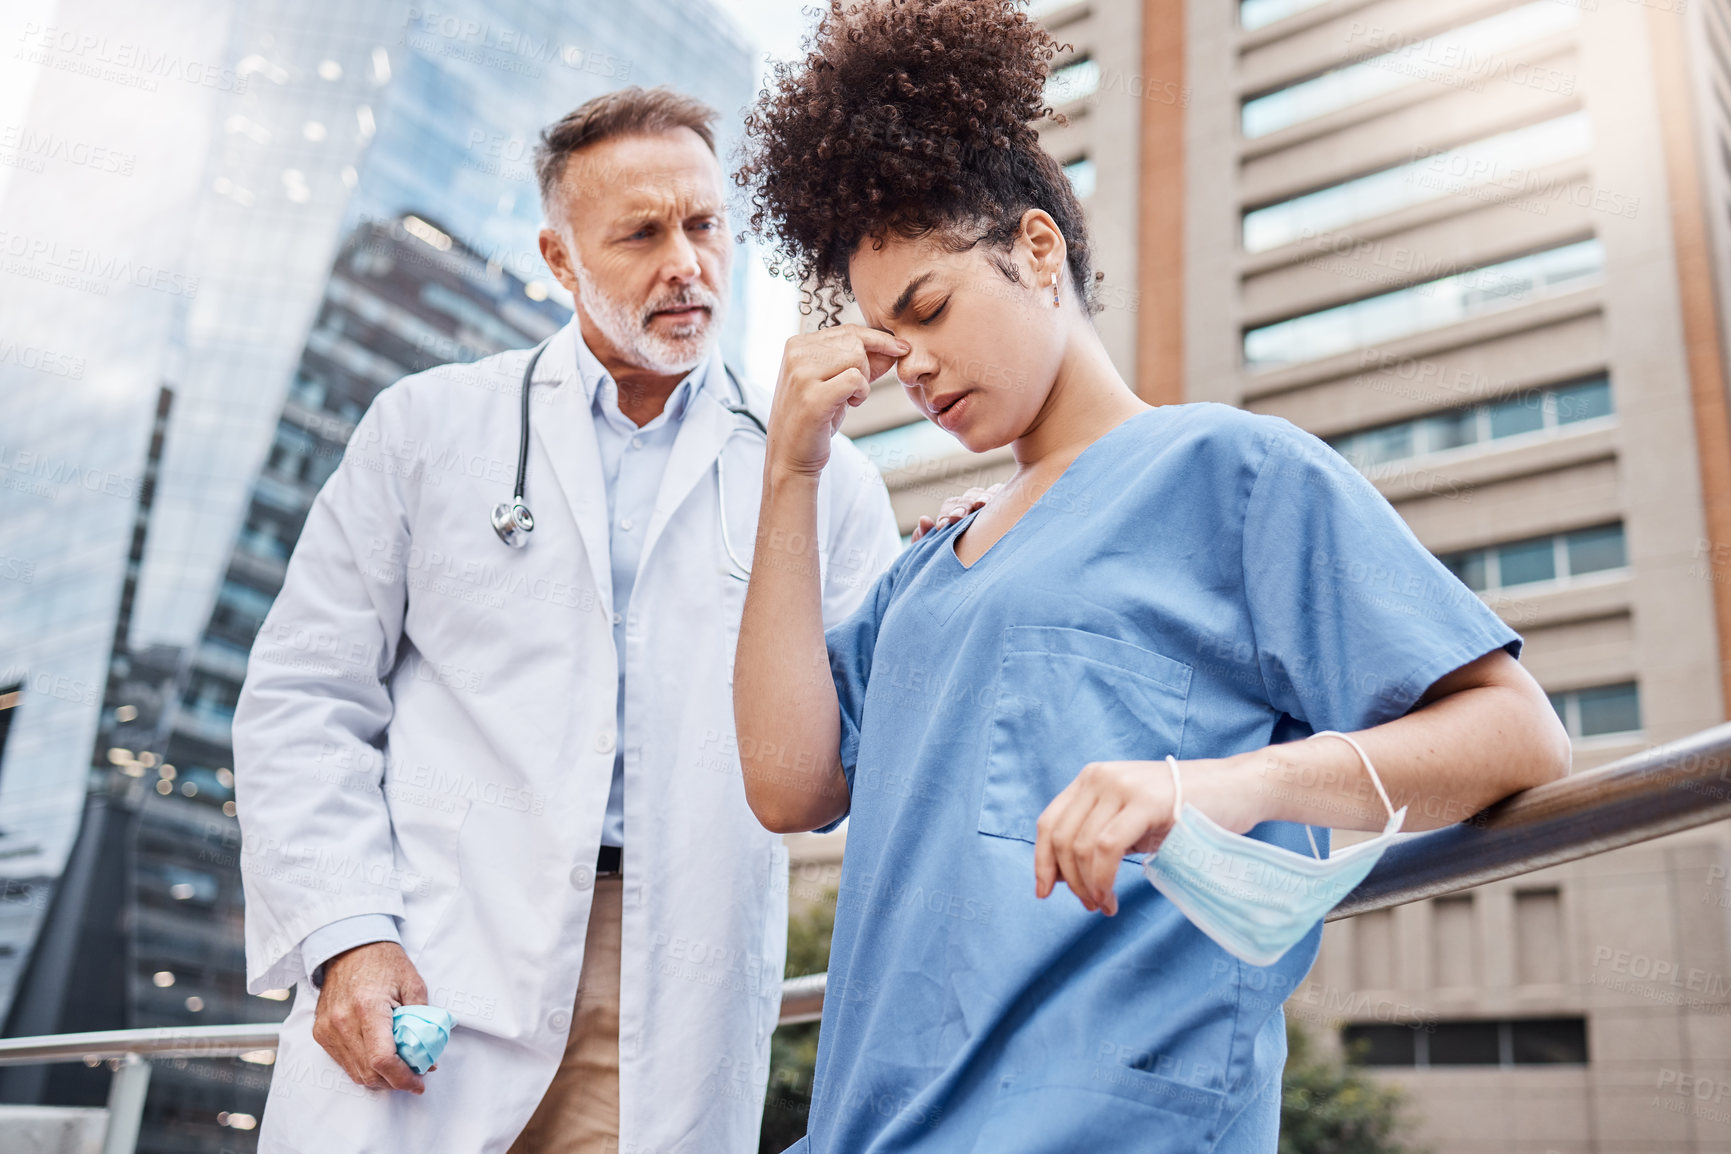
519,490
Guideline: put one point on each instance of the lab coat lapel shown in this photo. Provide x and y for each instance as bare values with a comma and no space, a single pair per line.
565,429
702,433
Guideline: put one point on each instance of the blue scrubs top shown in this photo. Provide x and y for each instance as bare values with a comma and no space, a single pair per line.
1201,581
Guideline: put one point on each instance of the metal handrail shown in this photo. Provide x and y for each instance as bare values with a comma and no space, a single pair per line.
1667,789
158,1042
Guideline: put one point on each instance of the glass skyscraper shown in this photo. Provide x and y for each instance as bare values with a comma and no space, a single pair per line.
297,204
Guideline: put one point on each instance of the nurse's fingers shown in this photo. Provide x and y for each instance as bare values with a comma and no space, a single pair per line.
1056,828
1120,832
925,526
1046,872
1099,849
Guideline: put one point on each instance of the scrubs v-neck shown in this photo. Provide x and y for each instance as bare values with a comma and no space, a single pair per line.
1201,581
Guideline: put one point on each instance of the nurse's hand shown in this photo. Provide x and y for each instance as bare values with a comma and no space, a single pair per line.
1114,808
362,988
822,374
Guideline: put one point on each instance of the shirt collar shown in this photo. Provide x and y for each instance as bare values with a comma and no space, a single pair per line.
592,373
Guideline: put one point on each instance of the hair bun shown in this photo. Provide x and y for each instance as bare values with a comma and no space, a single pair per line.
907,115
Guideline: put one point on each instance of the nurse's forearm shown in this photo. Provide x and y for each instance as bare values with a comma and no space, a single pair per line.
1489,733
785,709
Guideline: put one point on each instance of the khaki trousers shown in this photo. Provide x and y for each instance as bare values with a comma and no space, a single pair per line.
579,1114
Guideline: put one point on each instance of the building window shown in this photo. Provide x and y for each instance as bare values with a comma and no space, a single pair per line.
1559,407
240,610
1468,52
1422,307
1454,942
211,698
1498,168
307,392
1375,951
1253,14
1555,557
1075,81
1600,711
1082,176
1539,941
1503,1043
267,537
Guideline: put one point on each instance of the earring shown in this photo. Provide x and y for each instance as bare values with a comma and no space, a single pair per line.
1055,301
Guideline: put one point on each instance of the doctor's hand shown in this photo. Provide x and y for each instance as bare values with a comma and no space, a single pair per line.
955,508
1114,808
822,374
363,986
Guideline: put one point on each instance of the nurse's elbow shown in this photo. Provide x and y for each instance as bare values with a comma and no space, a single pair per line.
1558,750
776,821
785,801
771,810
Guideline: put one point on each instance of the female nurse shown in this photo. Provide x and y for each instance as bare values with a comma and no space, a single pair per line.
1187,580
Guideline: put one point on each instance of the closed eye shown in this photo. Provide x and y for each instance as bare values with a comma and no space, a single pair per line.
936,312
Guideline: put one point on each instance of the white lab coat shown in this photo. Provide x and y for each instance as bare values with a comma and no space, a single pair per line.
427,731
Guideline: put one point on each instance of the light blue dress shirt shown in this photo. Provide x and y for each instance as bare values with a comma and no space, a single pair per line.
633,459
1200,582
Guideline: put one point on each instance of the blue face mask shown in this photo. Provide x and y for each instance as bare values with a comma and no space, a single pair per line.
421,1033
1254,899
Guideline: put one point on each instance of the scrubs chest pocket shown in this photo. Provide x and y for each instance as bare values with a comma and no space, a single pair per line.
1067,697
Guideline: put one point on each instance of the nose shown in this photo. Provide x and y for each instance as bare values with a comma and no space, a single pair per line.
916,369
683,262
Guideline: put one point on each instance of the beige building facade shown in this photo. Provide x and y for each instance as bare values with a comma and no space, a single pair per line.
1481,246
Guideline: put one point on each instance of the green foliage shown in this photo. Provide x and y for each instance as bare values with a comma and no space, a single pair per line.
1330,1108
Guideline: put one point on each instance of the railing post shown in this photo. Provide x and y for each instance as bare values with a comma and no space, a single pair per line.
126,1105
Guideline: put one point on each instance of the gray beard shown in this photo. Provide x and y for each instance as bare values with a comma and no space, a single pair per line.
680,351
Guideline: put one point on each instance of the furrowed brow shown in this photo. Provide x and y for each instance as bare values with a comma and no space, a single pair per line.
902,302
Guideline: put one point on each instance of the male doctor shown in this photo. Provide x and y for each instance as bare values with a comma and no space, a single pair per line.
503,781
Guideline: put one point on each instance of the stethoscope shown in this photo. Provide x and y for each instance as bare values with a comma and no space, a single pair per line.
513,521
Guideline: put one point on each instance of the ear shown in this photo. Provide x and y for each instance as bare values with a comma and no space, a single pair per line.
1046,251
558,258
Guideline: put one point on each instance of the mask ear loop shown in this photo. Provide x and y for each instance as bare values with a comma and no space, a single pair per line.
1375,778
1177,788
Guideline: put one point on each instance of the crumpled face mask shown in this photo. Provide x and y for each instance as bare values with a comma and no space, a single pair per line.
1257,900
421,1033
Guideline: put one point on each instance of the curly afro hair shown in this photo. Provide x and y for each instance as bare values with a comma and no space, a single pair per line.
912,117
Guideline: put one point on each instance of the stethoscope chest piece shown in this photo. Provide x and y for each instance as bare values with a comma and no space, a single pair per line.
513,522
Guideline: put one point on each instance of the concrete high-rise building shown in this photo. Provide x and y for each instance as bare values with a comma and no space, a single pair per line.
1481,247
